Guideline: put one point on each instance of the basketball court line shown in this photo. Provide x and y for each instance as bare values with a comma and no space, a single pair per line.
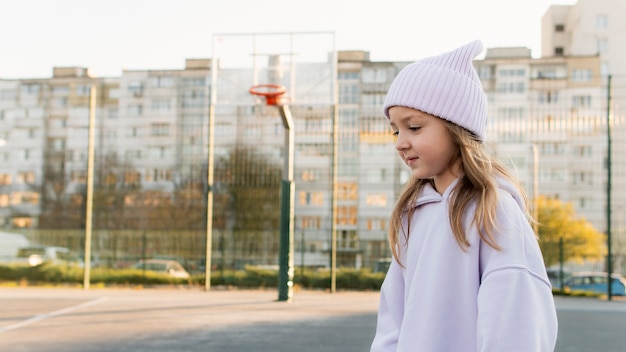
41,317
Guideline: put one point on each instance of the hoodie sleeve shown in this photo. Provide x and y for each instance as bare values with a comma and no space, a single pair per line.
390,310
516,309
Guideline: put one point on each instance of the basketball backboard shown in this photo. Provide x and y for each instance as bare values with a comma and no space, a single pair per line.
302,62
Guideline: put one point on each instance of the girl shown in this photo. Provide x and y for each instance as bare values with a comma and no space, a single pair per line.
467,274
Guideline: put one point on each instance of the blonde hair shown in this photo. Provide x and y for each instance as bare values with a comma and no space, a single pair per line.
477,183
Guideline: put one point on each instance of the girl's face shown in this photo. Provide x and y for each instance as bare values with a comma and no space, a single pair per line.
425,145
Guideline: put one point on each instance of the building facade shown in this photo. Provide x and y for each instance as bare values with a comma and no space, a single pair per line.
547,121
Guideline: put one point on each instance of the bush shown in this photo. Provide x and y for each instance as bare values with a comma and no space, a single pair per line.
250,277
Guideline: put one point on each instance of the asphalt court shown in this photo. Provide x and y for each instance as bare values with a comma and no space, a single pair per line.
183,319
52,319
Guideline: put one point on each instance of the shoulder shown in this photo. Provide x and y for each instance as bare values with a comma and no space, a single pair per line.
509,196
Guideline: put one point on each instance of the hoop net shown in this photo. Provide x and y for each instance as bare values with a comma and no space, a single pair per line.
271,92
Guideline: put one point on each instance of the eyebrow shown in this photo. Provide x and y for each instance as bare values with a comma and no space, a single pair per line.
406,118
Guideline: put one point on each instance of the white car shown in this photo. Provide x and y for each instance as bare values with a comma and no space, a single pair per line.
36,255
169,267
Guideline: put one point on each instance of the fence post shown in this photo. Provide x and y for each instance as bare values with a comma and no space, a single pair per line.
608,188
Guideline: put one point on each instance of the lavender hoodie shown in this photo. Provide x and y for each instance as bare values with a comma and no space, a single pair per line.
445,299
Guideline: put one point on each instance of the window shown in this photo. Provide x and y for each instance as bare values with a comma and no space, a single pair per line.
135,88
311,198
83,90
581,75
347,191
160,129
23,222
194,82
58,143
582,150
310,222
374,75
559,28
4,200
133,132
30,89
158,175
581,101
5,179
558,51
376,224
346,215
160,104
582,177
348,93
135,109
602,21
604,69
310,175
131,178
376,175
347,239
7,94
78,176
60,90
376,200
133,154
603,45
162,81
485,72
158,152
26,177
25,198
548,97
59,102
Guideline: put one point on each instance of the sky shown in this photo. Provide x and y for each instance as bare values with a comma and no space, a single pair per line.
113,35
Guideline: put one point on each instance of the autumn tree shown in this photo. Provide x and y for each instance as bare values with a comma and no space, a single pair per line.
248,200
557,220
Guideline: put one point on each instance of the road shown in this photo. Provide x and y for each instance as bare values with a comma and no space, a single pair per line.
159,320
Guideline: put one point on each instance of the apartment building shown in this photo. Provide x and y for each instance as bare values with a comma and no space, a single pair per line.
547,114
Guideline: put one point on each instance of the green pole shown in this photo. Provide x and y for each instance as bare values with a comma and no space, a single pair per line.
608,189
561,263
287,204
285,260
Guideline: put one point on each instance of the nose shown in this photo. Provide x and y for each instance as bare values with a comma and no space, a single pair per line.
401,142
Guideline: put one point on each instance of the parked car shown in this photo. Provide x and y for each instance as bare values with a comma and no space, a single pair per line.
596,282
36,255
164,266
10,243
555,277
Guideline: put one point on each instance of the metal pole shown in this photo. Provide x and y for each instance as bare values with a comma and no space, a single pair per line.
333,225
89,199
287,204
535,189
210,161
302,256
335,170
209,203
561,263
609,264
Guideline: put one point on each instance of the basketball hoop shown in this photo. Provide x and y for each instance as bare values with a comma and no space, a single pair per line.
271,92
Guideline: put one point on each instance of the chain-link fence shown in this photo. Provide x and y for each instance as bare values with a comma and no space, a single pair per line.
150,186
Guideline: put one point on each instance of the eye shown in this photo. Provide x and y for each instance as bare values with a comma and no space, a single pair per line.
414,128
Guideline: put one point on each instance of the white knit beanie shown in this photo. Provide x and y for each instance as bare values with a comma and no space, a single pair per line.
446,86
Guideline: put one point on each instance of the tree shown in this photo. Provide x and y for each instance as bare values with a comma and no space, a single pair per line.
581,241
248,200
